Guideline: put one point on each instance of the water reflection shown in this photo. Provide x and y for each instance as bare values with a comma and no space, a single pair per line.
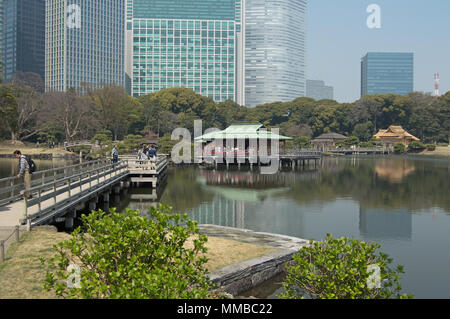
393,171
376,224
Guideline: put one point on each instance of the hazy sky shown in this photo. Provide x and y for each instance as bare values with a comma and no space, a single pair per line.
338,37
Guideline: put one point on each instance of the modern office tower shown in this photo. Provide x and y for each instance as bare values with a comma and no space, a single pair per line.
195,44
317,90
23,37
275,67
383,73
84,44
1,37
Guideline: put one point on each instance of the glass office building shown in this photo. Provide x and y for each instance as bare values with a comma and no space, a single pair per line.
194,44
383,73
84,43
317,90
275,50
22,37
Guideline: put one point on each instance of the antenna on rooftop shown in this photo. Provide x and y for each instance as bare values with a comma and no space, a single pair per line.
436,84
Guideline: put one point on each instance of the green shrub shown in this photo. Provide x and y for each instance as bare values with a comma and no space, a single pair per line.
103,139
348,142
366,144
340,269
122,256
431,147
399,148
416,146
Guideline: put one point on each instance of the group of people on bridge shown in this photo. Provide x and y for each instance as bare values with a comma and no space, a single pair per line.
148,153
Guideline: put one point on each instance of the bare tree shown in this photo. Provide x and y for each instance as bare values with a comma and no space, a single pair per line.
68,110
29,103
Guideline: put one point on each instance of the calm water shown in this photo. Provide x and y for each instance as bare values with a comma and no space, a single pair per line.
10,166
401,203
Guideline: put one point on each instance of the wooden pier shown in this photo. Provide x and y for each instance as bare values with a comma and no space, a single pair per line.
61,193
359,151
291,159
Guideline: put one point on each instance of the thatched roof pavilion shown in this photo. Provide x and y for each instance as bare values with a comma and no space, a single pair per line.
395,134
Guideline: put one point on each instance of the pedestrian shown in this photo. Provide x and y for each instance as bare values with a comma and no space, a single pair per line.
115,155
37,144
152,153
24,170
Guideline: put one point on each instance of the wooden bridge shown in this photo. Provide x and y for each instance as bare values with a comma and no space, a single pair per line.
71,145
62,192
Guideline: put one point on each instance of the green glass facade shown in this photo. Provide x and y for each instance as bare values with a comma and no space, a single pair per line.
183,44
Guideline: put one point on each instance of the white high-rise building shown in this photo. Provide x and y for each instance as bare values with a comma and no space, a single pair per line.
275,50
84,43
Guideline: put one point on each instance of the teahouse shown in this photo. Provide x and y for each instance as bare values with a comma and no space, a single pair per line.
236,138
395,134
327,140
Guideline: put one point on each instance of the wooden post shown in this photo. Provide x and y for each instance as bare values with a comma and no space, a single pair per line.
17,233
12,187
2,251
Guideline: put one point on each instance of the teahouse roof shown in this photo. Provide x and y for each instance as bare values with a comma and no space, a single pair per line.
395,132
329,137
242,131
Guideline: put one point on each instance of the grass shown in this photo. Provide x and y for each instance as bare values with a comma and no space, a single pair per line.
6,148
440,151
22,274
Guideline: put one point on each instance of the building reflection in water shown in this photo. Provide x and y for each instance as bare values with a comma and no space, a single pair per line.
393,171
376,224
237,194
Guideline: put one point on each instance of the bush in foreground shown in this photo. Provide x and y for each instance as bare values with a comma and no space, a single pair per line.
123,256
341,269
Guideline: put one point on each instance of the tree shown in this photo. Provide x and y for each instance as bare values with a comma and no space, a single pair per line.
31,119
9,112
342,268
30,79
363,132
115,109
69,111
369,108
131,256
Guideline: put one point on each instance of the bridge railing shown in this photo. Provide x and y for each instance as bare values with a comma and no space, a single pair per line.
11,187
136,165
356,149
74,187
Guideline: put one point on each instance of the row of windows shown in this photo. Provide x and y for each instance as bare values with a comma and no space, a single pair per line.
183,24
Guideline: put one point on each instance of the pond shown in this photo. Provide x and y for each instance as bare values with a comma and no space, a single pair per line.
403,203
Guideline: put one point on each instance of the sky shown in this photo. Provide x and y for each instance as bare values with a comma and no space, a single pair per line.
338,37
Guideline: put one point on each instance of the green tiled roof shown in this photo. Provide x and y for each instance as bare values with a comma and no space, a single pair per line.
242,131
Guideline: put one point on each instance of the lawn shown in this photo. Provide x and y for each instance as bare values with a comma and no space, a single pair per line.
22,274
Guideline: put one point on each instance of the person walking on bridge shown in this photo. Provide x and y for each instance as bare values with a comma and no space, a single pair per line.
115,155
24,170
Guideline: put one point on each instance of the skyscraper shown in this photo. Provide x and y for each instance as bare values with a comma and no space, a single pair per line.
23,37
317,90
383,73
196,44
84,43
275,68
